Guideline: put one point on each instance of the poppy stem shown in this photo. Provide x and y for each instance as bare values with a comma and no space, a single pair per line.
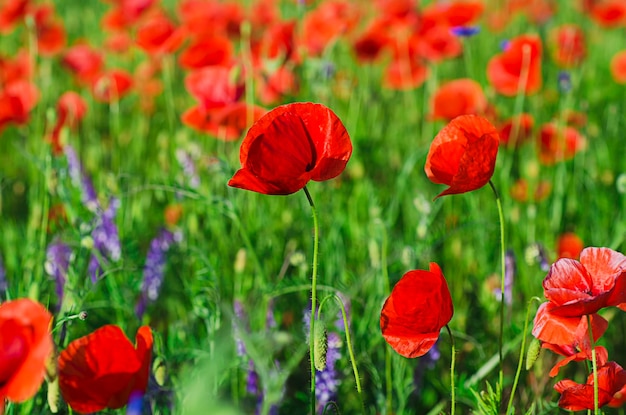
316,240
594,366
502,287
452,364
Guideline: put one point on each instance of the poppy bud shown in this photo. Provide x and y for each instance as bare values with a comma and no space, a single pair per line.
320,345
534,350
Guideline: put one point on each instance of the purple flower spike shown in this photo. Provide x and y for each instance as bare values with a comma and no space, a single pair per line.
81,180
105,240
154,269
509,276
58,256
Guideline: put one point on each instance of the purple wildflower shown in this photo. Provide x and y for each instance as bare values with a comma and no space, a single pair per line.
252,380
135,404
81,180
58,257
465,31
106,240
240,318
510,265
154,269
327,381
565,81
3,279
189,167
426,362
504,45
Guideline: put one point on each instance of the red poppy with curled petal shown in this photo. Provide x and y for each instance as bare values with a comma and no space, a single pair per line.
581,288
102,369
458,97
463,154
25,345
611,389
602,355
291,145
566,331
417,309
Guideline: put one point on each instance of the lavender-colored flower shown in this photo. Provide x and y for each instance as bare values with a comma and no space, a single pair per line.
81,180
106,240
510,265
465,31
240,318
154,269
135,404
327,380
189,167
58,256
3,279
252,380
426,362
504,45
565,81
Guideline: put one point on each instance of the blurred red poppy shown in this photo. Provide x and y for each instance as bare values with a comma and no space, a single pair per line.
102,369
520,192
618,67
50,32
125,14
291,145
569,245
226,123
611,389
405,73
112,85
157,35
458,97
418,308
517,130
207,51
326,23
11,12
275,86
463,154
559,143
609,13
566,331
25,346
213,86
518,68
16,102
84,62
582,288
71,108
569,46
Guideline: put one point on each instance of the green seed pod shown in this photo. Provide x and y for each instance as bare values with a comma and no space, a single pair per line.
534,349
53,395
320,345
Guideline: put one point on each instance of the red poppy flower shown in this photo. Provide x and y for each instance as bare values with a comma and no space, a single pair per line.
569,245
112,85
11,12
84,62
213,87
273,87
518,68
573,355
326,23
405,73
618,67
157,35
71,108
226,123
458,97
517,129
50,33
25,345
463,155
566,331
369,45
611,389
581,288
102,369
520,192
16,102
291,145
417,309
207,51
559,143
570,48
609,13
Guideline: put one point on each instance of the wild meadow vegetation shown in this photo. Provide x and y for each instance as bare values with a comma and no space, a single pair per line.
158,256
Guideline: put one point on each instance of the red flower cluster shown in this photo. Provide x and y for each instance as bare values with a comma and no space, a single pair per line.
576,291
518,68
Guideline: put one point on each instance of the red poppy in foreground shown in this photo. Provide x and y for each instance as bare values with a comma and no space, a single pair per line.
611,390
569,332
103,369
291,145
582,288
25,345
463,154
417,309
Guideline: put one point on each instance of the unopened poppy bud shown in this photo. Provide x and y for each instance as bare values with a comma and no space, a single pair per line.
320,345
87,242
240,261
53,395
534,350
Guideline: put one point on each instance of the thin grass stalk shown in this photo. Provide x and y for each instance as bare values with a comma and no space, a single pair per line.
452,366
594,364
